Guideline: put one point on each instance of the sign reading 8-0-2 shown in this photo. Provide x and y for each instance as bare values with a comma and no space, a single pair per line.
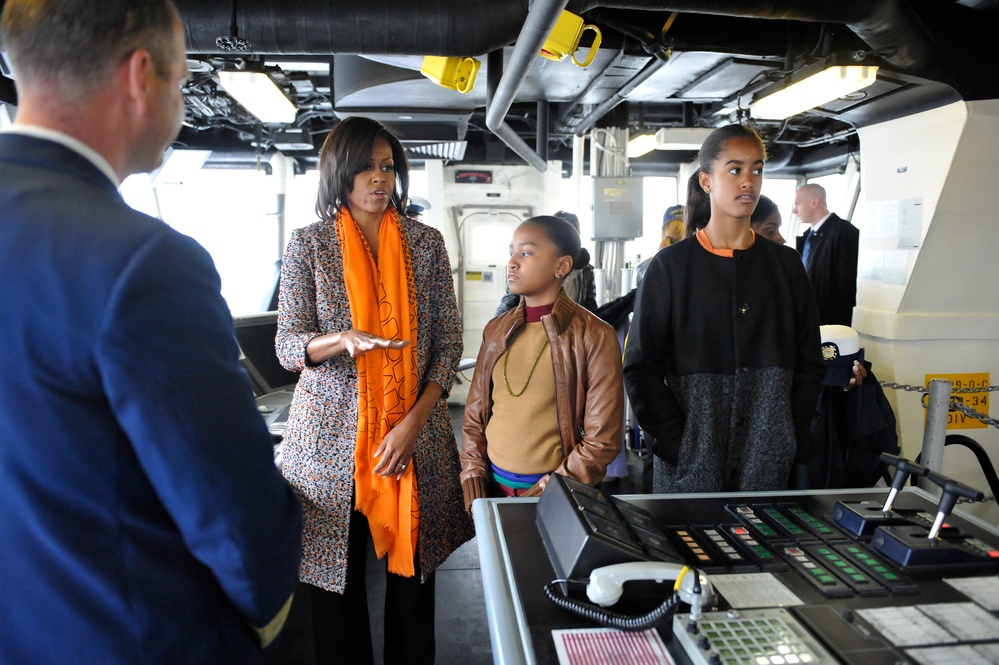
977,401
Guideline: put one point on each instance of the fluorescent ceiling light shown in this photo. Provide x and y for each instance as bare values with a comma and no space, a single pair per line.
259,95
681,138
293,66
825,86
640,145
454,150
291,139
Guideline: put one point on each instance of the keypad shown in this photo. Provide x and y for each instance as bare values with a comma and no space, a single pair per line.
757,637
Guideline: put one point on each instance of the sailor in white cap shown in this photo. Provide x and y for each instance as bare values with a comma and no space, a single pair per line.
417,206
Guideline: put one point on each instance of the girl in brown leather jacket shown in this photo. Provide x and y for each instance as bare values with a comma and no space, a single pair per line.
547,395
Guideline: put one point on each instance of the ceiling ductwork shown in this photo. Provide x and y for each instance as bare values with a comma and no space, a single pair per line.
313,27
892,32
475,27
364,58
889,27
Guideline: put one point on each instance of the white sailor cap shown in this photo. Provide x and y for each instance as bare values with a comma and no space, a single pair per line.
417,205
840,347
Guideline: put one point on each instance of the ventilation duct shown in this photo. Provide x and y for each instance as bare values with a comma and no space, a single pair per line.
428,27
475,27
888,26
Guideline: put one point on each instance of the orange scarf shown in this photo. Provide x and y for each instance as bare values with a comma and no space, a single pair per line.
383,302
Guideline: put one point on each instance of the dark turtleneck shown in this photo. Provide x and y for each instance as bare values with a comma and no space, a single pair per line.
534,314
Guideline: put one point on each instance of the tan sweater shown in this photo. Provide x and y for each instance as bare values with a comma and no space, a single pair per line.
523,435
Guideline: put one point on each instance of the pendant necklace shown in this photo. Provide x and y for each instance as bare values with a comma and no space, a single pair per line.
506,358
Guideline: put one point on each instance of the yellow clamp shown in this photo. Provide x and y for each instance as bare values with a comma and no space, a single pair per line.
564,39
451,72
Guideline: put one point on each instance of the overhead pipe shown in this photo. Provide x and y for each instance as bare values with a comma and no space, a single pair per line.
888,26
468,27
494,72
447,27
662,54
651,43
325,27
541,18
541,131
566,110
604,107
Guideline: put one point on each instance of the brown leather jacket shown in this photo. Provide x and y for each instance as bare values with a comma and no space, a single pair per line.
589,394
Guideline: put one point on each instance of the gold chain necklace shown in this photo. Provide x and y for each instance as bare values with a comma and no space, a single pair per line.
506,359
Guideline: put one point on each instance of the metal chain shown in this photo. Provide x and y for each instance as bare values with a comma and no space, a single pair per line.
983,389
924,389
955,404
902,386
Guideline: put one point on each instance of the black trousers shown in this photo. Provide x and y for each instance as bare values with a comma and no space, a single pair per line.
340,622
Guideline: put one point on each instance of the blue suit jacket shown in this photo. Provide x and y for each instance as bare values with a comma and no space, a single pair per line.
142,519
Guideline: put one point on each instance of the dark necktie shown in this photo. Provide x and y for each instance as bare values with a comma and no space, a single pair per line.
807,248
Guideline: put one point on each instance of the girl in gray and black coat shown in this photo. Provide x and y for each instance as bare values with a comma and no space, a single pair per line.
722,364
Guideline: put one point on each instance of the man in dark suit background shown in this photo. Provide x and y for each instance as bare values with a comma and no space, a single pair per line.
142,519
829,251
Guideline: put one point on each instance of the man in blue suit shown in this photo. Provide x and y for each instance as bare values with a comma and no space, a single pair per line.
142,519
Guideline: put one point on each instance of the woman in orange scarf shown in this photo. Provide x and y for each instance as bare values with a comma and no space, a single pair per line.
367,313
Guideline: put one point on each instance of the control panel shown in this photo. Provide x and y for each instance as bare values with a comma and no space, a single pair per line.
866,585
854,576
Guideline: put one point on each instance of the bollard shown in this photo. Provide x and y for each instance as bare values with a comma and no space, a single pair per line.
935,431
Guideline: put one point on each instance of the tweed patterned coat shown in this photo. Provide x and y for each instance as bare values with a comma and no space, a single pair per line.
320,436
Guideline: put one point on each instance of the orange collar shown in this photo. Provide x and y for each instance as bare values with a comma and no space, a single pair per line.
702,238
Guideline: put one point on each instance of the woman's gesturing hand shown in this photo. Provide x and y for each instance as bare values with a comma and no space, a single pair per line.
359,342
355,342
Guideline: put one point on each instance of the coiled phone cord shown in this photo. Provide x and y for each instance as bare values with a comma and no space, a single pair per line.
608,618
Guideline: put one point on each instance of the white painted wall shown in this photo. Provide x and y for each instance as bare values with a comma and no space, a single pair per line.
932,308
515,193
